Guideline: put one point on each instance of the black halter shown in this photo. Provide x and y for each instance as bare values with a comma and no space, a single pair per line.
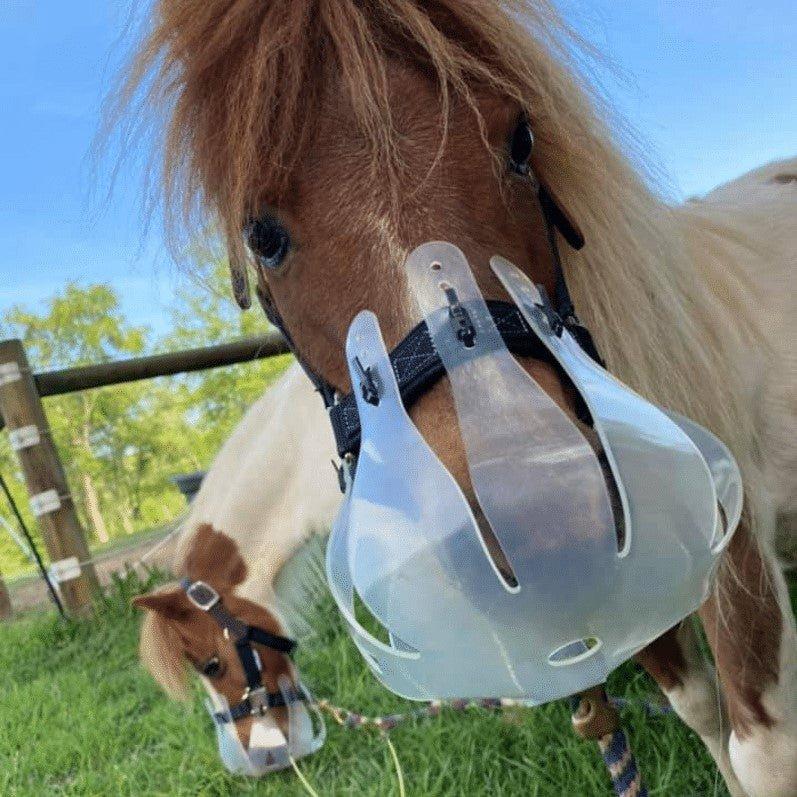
417,365
255,700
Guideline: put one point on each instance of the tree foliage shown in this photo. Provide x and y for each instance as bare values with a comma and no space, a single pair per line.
121,446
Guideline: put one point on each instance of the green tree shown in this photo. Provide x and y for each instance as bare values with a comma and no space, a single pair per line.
82,326
12,558
121,446
204,314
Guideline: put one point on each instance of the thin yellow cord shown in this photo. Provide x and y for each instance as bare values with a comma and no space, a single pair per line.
397,764
310,790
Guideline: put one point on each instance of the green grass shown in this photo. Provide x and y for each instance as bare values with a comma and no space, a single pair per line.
78,716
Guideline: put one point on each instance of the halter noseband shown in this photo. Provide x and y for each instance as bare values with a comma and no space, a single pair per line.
255,701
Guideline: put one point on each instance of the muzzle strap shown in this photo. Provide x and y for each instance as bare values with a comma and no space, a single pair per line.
248,658
279,643
263,702
250,663
417,366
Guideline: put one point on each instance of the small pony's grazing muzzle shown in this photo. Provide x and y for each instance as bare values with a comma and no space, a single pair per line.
269,749
580,587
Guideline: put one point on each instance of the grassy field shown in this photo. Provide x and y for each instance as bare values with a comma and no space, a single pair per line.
79,717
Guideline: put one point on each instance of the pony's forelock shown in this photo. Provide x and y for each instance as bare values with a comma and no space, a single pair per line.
232,86
161,653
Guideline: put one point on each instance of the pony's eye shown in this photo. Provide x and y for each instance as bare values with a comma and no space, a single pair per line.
212,667
520,147
268,241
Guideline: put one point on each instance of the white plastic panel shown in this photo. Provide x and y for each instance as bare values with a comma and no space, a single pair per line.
407,543
668,491
269,750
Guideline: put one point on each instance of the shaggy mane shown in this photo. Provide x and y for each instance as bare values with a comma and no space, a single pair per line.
236,85
160,651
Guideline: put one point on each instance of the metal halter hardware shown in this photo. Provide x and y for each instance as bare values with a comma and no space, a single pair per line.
202,595
255,701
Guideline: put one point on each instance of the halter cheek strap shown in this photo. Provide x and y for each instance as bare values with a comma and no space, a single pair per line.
255,701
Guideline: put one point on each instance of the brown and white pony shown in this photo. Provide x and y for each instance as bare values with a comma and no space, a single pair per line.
259,503
366,127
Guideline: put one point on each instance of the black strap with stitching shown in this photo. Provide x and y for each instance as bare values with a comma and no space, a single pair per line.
417,365
245,708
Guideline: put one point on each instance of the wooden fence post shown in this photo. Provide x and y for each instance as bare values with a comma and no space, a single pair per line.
51,502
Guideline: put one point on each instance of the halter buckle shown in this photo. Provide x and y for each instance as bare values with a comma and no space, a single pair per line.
202,595
259,700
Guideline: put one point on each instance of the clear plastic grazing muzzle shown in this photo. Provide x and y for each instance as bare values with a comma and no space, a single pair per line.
269,749
575,603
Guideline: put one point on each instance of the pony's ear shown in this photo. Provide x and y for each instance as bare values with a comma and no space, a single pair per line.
170,604
162,651
213,557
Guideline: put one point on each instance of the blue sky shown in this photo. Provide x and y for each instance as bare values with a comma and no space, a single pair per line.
711,85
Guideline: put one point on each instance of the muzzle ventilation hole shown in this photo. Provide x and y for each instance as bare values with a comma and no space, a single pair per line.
369,621
574,652
723,519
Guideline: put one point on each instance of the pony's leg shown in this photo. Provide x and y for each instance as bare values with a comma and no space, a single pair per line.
751,630
688,679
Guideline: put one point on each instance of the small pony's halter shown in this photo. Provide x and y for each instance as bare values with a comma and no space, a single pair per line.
416,363
255,701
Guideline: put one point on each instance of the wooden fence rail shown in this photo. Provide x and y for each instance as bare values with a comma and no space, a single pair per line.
22,411
73,380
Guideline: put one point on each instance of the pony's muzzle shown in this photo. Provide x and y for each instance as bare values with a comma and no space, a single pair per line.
269,748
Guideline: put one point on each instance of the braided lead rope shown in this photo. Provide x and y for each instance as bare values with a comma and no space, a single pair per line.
623,770
614,747
353,719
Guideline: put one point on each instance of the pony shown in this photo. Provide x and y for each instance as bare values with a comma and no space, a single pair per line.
358,129
259,503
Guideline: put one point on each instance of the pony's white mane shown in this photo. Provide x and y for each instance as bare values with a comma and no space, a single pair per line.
672,294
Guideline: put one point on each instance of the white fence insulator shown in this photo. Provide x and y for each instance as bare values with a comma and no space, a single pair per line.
65,570
44,503
24,437
9,372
